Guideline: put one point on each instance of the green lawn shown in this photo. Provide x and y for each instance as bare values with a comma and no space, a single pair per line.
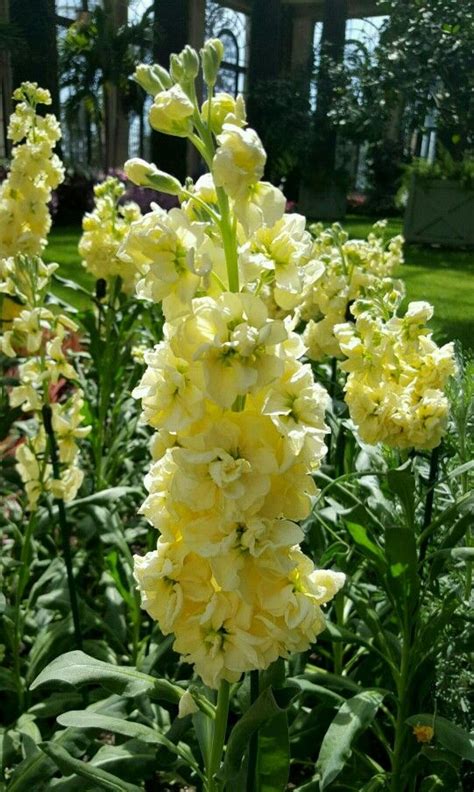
443,277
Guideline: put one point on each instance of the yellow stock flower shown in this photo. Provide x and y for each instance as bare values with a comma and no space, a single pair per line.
235,342
104,230
397,376
224,109
171,112
239,160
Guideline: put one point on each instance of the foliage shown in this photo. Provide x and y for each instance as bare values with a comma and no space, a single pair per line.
94,56
423,60
444,168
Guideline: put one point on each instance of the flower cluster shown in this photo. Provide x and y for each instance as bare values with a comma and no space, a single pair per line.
103,232
35,171
397,374
239,420
351,268
41,335
33,330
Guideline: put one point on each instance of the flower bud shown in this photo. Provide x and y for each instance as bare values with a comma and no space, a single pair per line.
190,62
187,705
152,79
176,68
211,56
145,174
224,109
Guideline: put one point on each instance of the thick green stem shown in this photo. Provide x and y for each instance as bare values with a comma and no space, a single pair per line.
65,538
252,768
218,738
402,697
428,515
229,241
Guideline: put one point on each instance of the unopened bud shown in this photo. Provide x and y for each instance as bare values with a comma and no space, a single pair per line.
190,61
152,79
145,174
211,56
176,68
187,705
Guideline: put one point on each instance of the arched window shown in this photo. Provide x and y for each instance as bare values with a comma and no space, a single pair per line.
232,28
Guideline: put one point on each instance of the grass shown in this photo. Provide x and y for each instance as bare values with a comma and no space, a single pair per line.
443,277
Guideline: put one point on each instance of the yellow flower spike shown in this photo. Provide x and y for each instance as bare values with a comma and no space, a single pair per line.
239,420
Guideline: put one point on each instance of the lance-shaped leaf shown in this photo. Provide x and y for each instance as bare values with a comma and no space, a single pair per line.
352,718
77,668
451,736
100,778
268,705
273,738
85,719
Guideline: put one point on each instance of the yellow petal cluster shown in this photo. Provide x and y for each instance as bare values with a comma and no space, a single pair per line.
397,376
226,488
104,230
240,423
35,332
35,171
349,268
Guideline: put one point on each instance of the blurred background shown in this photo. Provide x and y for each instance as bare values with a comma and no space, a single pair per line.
344,93
365,107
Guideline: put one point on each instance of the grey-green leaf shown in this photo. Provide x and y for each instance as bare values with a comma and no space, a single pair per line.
85,719
352,718
451,736
68,765
269,704
76,668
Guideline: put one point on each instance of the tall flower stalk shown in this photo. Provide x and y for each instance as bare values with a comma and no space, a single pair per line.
239,420
38,335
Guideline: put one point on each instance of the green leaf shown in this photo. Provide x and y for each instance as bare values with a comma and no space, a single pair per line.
68,765
76,668
402,556
37,769
85,719
451,736
105,497
402,484
439,755
269,704
352,718
132,759
273,738
457,553
360,536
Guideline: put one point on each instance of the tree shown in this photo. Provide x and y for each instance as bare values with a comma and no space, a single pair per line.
422,66
97,61
37,58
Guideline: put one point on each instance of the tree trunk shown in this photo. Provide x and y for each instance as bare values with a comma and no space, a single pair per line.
332,53
37,60
116,117
265,54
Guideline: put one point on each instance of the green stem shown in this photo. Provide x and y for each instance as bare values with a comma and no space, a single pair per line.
428,515
20,589
65,538
402,701
252,768
218,738
338,646
229,241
